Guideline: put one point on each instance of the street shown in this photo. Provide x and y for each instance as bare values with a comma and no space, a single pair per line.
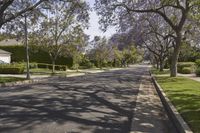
106,102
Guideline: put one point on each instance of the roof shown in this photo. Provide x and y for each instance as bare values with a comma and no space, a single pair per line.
4,52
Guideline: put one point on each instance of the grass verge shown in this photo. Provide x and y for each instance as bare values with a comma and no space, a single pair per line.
157,72
10,79
184,93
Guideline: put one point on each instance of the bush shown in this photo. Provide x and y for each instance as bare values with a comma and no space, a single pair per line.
187,65
43,65
11,70
198,72
33,65
186,70
197,63
86,64
36,54
50,66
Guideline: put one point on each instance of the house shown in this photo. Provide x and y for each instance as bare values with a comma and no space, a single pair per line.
5,57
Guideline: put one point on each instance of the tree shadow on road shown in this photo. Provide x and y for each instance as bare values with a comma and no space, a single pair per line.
97,103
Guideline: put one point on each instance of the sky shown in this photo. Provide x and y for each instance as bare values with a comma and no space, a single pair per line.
94,25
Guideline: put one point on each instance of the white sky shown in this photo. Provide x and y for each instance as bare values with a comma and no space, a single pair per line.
94,25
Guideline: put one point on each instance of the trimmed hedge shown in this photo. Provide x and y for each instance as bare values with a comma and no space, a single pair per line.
36,55
198,72
187,70
11,70
188,67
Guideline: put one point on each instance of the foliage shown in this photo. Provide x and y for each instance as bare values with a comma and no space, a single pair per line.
184,93
56,32
187,66
198,72
86,64
189,53
11,69
124,13
11,9
197,62
118,56
129,55
10,79
101,52
187,70
37,55
50,66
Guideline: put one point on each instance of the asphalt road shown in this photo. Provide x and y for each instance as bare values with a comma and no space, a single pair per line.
96,103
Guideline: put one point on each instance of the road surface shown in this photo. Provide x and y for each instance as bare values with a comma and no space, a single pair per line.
120,101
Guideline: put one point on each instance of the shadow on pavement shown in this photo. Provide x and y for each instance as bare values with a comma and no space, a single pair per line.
96,103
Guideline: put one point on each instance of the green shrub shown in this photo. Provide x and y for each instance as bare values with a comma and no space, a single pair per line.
75,67
36,54
43,65
33,65
11,70
198,72
197,63
86,64
182,65
50,66
186,70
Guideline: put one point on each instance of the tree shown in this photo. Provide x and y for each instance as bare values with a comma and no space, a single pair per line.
11,9
55,32
129,56
76,48
174,12
118,56
100,52
155,37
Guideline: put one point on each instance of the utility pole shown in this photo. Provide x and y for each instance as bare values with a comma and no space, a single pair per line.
27,48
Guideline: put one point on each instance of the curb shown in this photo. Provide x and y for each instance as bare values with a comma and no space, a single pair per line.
173,114
26,82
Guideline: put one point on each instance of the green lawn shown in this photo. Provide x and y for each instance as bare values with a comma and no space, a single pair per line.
184,93
157,72
10,79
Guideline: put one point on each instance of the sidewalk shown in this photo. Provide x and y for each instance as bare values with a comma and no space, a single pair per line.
150,116
191,76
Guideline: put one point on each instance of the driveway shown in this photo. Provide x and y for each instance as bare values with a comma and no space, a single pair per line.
96,103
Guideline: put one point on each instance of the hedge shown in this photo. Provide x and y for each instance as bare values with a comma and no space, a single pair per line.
50,66
11,70
198,72
187,70
187,66
36,55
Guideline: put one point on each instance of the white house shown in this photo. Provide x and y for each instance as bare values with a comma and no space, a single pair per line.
5,57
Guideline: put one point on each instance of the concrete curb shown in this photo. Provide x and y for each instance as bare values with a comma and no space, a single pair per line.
173,114
26,82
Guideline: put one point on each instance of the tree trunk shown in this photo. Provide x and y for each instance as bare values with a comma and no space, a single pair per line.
100,64
53,66
175,56
157,62
161,65
157,65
